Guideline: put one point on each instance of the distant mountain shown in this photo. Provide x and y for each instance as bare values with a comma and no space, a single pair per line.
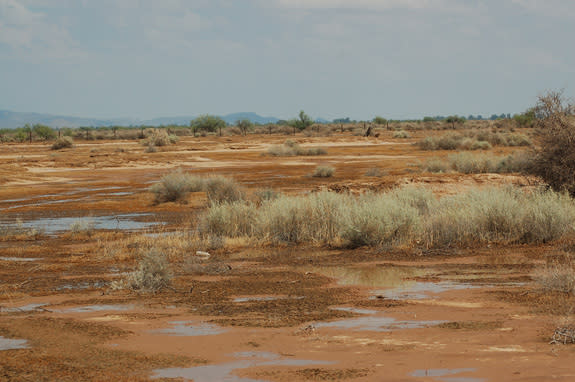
11,120
232,118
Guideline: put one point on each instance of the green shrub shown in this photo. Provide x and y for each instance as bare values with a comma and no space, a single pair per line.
323,172
63,143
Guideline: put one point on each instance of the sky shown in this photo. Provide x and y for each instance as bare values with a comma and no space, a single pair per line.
332,58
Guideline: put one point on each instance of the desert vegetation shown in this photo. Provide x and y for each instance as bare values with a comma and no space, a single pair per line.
406,216
234,229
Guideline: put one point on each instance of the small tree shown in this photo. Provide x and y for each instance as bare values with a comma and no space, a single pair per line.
244,125
554,159
526,119
43,132
302,123
454,119
208,123
381,121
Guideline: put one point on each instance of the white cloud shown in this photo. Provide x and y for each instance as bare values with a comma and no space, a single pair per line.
31,33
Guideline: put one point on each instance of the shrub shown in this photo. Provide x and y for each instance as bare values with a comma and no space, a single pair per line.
63,143
554,158
291,148
401,134
377,220
220,189
323,172
159,138
152,275
375,172
267,194
176,186
404,216
468,163
557,278
437,166
82,226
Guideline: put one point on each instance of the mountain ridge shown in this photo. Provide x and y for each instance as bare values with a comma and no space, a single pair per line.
12,119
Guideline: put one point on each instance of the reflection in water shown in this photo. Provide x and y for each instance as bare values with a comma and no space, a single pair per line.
375,276
420,290
191,329
10,344
52,226
223,372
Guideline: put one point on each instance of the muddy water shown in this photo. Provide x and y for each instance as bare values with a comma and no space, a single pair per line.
420,290
191,329
11,344
53,226
97,308
375,321
18,259
373,277
224,372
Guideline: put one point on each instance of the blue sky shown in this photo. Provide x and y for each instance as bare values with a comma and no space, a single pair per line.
331,58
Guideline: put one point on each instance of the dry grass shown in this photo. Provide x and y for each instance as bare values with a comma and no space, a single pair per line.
323,172
63,143
291,148
152,274
406,216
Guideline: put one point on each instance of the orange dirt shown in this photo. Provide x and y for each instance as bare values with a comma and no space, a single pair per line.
272,314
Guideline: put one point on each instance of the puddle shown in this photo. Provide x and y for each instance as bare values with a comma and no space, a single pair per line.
420,290
10,344
82,286
52,226
96,308
23,259
224,372
375,321
191,329
249,299
442,375
24,308
375,277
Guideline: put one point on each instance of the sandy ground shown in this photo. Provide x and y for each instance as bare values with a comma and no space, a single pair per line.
264,314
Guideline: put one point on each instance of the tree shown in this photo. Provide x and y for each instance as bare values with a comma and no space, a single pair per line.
453,119
554,159
244,125
526,119
302,123
43,132
209,123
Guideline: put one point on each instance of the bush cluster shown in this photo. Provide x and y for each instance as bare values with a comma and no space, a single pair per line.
176,187
291,148
404,216
478,140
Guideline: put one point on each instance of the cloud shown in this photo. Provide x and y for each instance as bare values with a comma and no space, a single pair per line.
30,32
554,8
362,4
